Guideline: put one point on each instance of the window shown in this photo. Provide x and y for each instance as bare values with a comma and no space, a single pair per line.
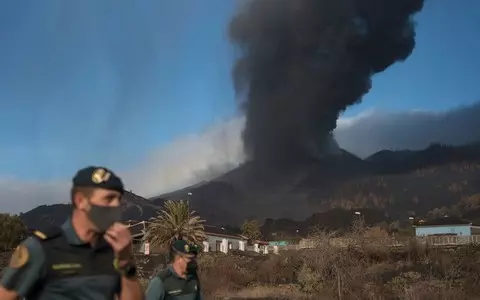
217,245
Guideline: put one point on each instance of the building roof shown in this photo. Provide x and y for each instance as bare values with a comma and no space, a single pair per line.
136,227
262,243
443,221
222,232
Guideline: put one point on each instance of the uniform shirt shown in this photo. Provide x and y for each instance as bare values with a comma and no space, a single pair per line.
69,269
173,287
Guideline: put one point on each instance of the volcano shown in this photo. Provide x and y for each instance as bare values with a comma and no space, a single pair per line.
255,191
392,184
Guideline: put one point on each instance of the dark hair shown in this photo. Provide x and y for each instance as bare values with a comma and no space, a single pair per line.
85,191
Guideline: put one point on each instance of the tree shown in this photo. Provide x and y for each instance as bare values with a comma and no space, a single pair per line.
176,221
251,230
12,231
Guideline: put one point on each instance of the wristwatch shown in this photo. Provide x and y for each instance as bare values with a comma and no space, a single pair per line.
128,270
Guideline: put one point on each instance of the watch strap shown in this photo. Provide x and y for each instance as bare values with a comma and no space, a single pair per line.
128,270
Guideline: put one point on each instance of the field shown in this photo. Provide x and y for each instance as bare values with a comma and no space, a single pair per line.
361,272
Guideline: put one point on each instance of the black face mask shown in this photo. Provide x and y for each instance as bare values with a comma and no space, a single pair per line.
192,267
103,217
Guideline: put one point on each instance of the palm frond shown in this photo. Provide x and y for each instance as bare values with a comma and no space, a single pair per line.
176,221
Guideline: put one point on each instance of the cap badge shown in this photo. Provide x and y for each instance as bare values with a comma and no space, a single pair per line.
100,175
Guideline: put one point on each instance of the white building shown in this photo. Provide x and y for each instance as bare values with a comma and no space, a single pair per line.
138,229
220,239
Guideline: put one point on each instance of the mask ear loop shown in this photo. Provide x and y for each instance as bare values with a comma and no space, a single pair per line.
90,205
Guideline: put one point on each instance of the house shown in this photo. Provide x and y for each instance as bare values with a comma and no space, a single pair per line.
278,243
138,229
446,226
220,239
261,246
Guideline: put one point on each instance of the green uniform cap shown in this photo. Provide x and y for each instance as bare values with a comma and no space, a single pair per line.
98,177
183,247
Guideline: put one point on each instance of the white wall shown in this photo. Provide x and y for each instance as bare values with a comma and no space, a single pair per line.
212,242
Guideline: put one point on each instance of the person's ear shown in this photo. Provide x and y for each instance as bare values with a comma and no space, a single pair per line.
81,202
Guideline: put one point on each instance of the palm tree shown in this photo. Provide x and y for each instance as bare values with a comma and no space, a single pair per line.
176,221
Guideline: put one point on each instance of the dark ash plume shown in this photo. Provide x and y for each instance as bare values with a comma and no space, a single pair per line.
305,61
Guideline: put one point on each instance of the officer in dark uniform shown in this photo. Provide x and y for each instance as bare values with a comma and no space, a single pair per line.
88,258
179,280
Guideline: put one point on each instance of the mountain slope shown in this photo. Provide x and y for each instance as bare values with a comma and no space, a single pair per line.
393,184
134,208
396,182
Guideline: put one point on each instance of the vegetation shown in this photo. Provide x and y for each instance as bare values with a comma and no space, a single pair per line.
358,271
251,230
389,186
12,231
434,182
176,221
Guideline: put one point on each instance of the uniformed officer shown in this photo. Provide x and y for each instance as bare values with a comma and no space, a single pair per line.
88,258
179,280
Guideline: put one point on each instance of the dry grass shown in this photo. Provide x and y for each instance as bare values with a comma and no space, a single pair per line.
414,274
360,271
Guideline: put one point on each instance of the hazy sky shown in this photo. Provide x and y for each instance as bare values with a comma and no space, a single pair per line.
144,87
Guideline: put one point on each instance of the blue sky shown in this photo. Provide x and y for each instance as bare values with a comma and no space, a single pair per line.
106,82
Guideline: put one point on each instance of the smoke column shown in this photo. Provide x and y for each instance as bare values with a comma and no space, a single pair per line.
303,62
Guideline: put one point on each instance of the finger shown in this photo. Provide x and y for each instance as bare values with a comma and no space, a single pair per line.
123,233
119,229
119,238
119,226
110,240
112,232
114,236
114,241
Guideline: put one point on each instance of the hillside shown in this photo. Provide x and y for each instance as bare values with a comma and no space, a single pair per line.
389,185
396,183
134,208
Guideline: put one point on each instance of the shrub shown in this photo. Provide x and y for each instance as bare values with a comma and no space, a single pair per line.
12,231
415,272
328,272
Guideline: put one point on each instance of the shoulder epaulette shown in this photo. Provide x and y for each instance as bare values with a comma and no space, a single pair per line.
48,234
164,274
